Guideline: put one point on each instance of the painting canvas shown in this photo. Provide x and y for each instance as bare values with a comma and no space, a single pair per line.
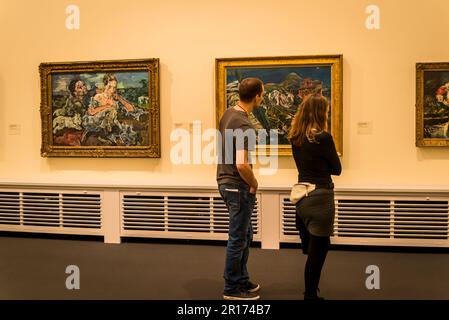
432,104
100,109
287,82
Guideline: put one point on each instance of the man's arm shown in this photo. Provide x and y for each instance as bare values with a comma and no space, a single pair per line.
245,170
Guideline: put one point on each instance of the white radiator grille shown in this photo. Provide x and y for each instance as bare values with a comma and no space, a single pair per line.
421,219
10,208
377,218
288,222
362,218
144,213
181,216
46,211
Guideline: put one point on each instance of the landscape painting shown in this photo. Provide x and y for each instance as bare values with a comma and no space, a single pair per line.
287,82
432,104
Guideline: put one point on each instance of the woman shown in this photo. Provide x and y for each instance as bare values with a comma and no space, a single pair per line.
102,112
109,98
316,159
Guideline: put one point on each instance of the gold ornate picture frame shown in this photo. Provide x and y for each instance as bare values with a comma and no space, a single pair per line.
287,81
432,104
100,109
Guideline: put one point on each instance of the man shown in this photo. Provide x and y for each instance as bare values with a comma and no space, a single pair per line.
67,120
75,101
238,185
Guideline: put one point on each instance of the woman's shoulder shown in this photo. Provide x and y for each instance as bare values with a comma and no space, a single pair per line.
323,137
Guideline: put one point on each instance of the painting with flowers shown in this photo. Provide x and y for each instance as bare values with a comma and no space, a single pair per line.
432,104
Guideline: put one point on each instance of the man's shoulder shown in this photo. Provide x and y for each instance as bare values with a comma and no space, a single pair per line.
242,119
236,119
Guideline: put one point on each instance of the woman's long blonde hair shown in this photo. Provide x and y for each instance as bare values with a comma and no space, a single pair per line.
309,120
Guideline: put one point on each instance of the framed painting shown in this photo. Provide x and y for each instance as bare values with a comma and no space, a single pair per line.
432,104
100,109
287,81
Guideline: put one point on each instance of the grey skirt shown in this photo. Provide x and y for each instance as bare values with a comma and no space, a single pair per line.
317,212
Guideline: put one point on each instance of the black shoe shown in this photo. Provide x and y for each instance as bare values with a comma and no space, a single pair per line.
313,296
316,298
250,287
240,295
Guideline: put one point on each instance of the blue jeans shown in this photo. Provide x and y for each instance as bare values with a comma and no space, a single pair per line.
240,203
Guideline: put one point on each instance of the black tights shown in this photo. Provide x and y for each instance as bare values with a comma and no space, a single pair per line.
315,248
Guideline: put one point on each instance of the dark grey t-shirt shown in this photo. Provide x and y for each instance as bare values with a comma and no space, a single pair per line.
237,133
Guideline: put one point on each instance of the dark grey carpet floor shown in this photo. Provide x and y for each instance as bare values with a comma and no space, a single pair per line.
34,268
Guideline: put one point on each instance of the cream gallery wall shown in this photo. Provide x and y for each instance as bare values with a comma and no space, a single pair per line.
174,65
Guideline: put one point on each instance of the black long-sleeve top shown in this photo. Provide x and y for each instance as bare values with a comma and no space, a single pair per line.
316,162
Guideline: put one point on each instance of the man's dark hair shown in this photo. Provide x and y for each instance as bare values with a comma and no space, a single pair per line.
249,88
72,85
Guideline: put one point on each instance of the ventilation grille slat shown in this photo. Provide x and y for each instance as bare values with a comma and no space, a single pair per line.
172,213
288,216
